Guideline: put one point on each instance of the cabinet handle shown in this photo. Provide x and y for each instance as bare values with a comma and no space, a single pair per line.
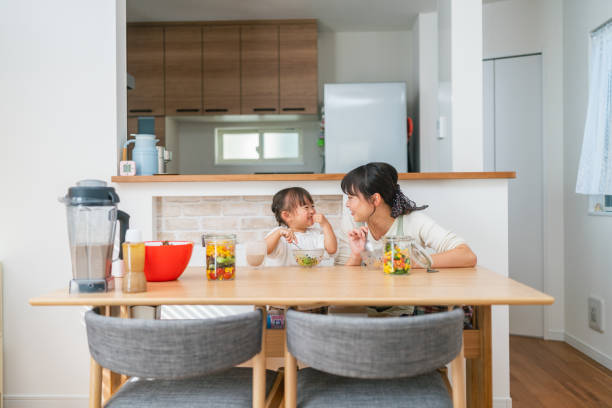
141,110
294,109
187,110
215,110
264,109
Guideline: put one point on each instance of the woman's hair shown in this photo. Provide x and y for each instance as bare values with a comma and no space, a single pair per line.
289,199
380,178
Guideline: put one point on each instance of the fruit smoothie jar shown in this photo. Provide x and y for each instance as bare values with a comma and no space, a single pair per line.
220,256
396,256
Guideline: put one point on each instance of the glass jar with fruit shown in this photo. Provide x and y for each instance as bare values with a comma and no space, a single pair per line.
401,253
220,256
396,255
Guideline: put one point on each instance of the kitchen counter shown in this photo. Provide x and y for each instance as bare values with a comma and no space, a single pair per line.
474,205
185,178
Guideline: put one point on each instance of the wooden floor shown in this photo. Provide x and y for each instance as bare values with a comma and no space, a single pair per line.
554,374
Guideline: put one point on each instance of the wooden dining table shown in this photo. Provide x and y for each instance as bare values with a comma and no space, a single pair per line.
339,286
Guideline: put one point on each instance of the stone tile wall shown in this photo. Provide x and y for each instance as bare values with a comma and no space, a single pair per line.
249,217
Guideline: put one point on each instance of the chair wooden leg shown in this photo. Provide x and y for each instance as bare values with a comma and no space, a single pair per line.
290,399
457,367
275,396
95,384
259,367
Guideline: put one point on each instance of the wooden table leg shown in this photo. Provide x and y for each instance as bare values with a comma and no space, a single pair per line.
480,370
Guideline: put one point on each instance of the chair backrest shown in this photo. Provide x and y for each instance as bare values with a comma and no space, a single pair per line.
363,347
169,349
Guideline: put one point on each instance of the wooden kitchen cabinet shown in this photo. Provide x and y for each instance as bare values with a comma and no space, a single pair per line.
298,69
145,61
259,69
183,70
221,70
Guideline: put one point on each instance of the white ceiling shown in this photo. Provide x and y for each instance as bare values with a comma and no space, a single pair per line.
332,15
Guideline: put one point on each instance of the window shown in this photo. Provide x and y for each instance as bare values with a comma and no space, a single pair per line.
595,169
241,146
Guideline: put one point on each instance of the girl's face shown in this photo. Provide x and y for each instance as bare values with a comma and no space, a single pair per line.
360,207
300,217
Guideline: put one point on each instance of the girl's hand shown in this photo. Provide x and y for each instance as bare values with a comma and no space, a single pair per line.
357,239
288,235
320,219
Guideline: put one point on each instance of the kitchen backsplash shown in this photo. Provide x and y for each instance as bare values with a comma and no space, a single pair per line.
249,217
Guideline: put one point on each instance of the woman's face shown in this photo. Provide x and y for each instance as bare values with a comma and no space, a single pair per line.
360,207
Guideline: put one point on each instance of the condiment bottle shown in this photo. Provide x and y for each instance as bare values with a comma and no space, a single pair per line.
117,273
134,280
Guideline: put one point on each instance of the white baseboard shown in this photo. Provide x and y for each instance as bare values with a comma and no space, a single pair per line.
45,401
557,335
595,354
502,402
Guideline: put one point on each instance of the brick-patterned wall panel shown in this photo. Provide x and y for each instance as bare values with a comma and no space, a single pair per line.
249,217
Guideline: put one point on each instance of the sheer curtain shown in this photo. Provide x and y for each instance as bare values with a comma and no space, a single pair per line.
595,169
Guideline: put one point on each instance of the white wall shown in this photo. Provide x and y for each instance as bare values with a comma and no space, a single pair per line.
59,116
383,56
425,32
588,269
516,27
460,83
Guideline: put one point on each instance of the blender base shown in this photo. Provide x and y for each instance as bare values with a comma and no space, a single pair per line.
90,285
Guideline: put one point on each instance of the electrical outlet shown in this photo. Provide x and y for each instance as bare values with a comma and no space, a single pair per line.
596,310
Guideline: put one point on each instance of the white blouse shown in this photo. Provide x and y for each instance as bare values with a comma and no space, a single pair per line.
416,225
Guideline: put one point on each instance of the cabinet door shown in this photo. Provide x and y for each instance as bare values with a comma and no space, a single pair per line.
298,68
145,61
183,70
221,73
259,73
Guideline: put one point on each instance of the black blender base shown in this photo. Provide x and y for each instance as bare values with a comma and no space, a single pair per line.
88,285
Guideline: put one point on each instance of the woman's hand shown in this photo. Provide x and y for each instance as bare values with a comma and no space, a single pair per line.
288,235
357,239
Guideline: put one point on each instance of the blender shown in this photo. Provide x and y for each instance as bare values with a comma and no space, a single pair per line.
91,210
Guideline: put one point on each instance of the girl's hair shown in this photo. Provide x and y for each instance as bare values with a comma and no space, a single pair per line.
379,178
289,199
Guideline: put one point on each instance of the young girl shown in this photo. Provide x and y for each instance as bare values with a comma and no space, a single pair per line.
295,212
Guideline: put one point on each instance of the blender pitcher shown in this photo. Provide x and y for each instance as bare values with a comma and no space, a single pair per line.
91,210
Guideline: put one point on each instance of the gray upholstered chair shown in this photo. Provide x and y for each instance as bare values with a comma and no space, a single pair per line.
367,362
180,363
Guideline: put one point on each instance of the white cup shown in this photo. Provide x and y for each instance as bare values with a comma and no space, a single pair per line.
256,253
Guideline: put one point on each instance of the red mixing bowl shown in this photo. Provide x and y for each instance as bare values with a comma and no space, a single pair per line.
166,262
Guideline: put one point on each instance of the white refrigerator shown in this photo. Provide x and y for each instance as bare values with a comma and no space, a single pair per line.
365,122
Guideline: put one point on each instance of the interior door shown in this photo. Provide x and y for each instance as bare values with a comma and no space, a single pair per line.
513,137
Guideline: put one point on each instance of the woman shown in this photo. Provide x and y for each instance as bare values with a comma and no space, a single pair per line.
378,209
375,199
